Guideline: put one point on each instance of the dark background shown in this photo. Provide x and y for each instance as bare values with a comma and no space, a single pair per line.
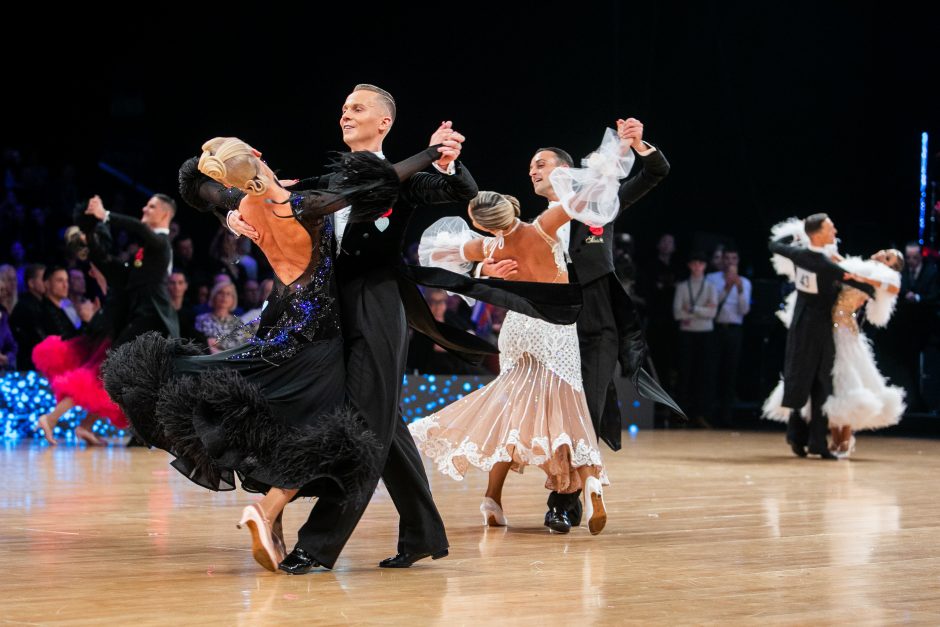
764,110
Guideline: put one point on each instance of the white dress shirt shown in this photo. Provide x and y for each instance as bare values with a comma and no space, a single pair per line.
736,304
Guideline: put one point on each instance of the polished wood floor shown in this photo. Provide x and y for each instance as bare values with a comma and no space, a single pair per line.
704,527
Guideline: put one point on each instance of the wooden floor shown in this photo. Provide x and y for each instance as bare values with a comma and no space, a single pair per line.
704,527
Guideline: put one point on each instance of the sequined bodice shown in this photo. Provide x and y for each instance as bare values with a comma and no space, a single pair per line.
845,310
303,311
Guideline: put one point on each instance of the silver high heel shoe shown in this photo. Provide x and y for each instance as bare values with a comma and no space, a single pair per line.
594,510
492,513
263,546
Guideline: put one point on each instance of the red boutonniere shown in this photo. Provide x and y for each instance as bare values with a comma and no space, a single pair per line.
596,230
387,213
139,258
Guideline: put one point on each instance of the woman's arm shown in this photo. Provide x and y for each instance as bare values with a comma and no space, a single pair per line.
888,287
473,250
552,219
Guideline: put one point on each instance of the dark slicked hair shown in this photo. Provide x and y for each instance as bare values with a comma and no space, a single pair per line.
168,201
33,270
561,155
51,270
384,96
814,223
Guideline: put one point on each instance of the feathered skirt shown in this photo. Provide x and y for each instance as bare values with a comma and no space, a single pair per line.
273,423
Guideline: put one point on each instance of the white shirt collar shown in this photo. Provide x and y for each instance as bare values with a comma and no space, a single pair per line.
162,231
817,249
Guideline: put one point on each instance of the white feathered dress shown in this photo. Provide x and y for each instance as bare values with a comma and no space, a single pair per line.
861,397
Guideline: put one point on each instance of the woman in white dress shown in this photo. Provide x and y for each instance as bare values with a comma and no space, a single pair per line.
861,398
534,413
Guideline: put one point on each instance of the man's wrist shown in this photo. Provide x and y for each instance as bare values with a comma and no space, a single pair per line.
450,169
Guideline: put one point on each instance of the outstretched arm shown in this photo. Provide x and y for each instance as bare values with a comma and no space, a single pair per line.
129,224
655,166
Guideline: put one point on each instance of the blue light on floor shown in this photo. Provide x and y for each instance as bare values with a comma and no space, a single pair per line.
634,430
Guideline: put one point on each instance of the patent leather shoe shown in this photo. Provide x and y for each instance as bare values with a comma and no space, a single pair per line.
298,562
405,560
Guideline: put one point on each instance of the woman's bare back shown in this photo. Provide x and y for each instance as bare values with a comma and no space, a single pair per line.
529,247
284,241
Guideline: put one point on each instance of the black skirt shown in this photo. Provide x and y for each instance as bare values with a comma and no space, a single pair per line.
274,423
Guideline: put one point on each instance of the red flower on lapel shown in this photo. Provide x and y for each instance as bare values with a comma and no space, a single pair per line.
596,230
139,257
387,213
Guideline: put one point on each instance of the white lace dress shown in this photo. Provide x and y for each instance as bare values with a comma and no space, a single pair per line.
534,413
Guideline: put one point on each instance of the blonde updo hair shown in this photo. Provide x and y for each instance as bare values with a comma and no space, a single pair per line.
493,211
233,163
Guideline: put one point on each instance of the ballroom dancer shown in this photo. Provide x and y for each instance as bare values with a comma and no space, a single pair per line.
516,435
810,349
270,410
609,327
535,411
861,398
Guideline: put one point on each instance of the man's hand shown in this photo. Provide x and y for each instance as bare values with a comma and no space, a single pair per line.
4,360
236,223
287,182
450,151
732,279
505,269
451,140
444,131
630,132
87,309
96,208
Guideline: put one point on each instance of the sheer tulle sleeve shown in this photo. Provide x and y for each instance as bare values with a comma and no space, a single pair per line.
589,194
441,245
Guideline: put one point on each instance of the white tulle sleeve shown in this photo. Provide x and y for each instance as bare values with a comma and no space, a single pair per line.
441,245
878,310
589,194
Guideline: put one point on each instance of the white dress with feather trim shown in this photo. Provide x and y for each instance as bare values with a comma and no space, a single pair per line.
861,398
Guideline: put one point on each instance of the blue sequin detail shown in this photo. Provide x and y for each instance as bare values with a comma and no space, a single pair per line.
302,312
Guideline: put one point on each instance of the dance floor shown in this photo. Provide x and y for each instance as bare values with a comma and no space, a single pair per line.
704,527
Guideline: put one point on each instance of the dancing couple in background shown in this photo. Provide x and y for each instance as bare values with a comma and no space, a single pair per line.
830,375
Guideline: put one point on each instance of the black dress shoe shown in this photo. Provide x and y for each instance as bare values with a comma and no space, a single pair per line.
557,520
823,454
405,560
798,449
298,562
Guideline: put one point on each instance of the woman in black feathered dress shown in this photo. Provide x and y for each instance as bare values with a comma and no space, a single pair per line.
270,411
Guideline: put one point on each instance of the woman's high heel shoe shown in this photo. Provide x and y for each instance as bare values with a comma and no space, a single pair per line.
846,449
594,509
492,513
263,546
47,427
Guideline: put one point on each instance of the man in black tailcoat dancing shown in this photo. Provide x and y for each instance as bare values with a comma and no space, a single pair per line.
810,350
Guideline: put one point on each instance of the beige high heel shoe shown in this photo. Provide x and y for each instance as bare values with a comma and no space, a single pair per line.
594,509
263,545
492,513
